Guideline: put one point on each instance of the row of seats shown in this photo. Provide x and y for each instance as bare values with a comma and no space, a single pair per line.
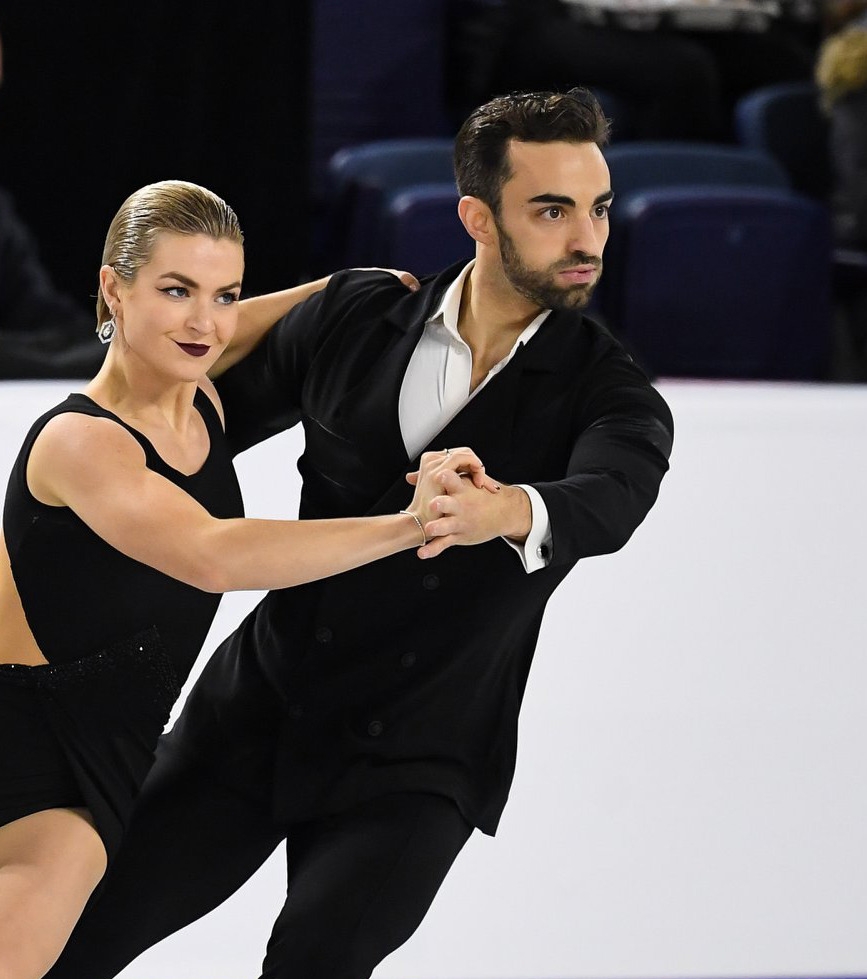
718,263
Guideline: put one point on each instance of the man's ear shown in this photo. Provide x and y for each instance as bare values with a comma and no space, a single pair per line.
477,218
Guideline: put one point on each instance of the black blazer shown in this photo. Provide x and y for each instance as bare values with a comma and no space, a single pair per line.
408,675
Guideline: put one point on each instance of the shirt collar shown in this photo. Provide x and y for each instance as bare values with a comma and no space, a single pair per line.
444,319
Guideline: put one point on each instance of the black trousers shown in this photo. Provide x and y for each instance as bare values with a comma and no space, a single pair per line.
359,882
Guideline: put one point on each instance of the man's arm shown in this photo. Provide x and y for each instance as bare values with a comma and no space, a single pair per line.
256,316
611,480
261,394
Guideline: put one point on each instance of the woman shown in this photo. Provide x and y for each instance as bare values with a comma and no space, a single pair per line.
121,527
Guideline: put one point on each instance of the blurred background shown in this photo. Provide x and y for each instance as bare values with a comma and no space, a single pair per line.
738,236
690,799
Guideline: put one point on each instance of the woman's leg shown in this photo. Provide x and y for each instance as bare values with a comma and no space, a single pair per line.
50,863
192,842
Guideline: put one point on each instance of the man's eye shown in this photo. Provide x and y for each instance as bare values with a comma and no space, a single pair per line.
601,210
553,212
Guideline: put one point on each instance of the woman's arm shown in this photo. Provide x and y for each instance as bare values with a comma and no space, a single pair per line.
96,468
257,315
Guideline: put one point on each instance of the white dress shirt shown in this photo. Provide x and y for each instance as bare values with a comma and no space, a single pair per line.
436,387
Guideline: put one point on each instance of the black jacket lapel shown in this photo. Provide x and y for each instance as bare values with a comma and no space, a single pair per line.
367,412
486,423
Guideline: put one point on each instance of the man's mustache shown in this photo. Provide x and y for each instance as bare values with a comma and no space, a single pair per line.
579,258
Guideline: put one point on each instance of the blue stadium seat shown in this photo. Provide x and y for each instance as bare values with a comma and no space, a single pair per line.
725,282
363,178
422,231
785,122
644,164
649,165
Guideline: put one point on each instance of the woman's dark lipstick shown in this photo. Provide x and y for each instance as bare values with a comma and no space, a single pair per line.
194,349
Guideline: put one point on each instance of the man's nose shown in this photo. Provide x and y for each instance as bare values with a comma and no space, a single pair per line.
587,236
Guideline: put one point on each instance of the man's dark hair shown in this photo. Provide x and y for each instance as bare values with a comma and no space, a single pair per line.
481,146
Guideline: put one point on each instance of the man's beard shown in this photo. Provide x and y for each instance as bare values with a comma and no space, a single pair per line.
541,287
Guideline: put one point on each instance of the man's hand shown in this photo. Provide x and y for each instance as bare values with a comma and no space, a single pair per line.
470,514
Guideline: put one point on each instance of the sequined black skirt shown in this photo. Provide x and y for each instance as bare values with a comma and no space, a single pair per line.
83,733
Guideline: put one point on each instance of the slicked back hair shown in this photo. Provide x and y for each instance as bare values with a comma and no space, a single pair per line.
169,205
481,145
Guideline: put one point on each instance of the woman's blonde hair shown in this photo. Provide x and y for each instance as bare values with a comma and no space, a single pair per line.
169,205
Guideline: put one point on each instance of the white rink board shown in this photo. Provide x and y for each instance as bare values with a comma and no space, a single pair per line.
690,797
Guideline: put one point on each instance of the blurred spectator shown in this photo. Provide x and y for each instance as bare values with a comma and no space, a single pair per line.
43,333
682,84
837,14
841,72
95,105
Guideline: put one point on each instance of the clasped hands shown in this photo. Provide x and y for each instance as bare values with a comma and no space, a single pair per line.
459,504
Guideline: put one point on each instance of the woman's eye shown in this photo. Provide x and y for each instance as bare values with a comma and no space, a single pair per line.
178,292
227,298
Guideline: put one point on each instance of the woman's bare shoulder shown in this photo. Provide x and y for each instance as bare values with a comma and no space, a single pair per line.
82,449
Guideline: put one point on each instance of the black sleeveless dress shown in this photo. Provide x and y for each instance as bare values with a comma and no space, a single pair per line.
120,639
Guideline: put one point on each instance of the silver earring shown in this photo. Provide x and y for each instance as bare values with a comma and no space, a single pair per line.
105,331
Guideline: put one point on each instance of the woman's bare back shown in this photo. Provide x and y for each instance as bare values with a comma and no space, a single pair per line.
17,644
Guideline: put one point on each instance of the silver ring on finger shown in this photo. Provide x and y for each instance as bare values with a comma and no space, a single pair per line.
448,452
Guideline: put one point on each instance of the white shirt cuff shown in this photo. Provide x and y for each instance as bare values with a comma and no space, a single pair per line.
535,552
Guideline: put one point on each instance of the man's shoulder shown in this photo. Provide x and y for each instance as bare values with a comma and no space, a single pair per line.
371,281
585,344
586,333
376,292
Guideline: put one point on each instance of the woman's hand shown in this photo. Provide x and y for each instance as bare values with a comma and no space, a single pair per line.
477,473
407,278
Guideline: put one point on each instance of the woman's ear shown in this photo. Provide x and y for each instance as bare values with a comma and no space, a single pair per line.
476,217
108,284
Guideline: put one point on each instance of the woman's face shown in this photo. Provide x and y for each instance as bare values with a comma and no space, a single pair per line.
181,309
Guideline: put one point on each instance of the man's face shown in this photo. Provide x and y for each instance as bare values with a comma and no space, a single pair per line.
553,222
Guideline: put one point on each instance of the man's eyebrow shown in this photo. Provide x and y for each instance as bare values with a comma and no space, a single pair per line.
568,201
552,199
187,281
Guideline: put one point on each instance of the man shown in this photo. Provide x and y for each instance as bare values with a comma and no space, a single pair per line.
370,719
